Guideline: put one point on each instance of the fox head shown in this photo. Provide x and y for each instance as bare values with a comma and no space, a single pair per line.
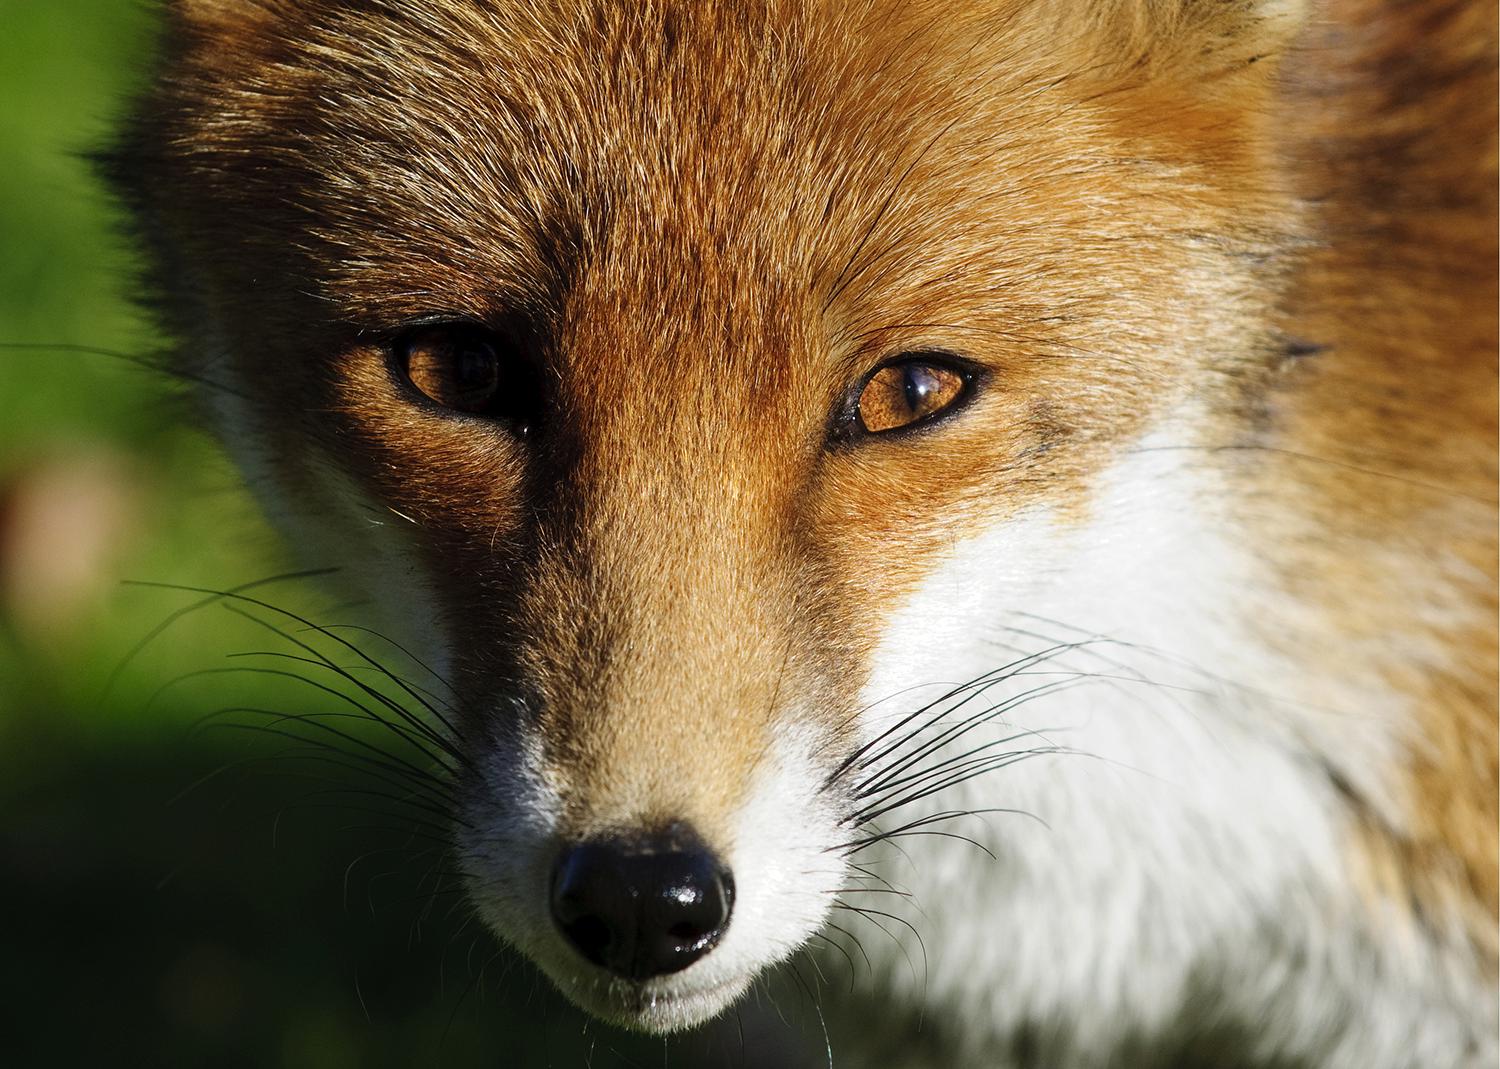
644,364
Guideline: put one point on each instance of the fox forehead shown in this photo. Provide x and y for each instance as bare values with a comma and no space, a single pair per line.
502,146
490,157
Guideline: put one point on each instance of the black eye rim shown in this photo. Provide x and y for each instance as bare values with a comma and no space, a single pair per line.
849,428
513,341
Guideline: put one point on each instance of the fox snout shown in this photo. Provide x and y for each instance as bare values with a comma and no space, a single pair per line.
650,906
644,824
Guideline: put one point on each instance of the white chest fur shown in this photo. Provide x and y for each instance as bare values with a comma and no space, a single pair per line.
1190,851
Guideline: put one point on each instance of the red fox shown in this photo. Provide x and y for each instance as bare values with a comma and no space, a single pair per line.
797,430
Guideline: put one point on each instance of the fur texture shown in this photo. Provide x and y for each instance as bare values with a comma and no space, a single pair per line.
1208,554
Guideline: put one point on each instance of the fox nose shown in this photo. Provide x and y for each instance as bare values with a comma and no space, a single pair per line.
642,906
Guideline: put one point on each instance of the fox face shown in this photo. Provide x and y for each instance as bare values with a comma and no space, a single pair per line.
773,422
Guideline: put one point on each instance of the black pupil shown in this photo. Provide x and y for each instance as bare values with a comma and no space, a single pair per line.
919,383
476,368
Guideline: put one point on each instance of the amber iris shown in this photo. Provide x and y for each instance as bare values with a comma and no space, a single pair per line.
904,393
458,367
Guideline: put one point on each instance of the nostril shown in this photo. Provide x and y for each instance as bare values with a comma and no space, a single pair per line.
590,934
642,906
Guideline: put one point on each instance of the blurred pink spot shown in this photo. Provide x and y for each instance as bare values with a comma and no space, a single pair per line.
65,523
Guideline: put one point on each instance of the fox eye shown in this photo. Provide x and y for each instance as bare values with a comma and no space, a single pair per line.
908,392
470,369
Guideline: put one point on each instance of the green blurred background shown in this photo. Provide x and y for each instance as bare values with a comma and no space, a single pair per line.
169,899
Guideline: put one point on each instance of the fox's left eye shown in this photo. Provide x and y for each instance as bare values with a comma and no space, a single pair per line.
907,392
470,369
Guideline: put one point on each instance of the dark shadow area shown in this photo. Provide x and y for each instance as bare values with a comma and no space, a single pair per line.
254,922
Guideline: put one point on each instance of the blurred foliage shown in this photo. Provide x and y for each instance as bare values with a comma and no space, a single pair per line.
172,899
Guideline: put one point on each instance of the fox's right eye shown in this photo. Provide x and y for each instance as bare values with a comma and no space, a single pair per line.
456,366
470,369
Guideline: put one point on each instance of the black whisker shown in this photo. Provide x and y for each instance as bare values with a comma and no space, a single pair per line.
963,776
340,640
416,827
412,657
870,915
157,365
862,757
417,742
415,730
858,945
884,780
177,614
836,945
415,775
849,272
416,722
337,757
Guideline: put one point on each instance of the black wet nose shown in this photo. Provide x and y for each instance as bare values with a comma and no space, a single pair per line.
642,906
